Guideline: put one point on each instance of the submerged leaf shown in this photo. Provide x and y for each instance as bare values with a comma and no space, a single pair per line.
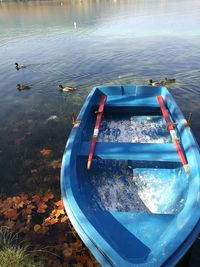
48,196
19,140
34,171
11,214
36,198
64,219
41,207
45,152
59,204
56,164
36,227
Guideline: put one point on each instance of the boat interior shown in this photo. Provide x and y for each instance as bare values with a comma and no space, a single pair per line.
136,177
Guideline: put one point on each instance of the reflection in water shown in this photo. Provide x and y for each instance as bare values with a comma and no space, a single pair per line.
81,44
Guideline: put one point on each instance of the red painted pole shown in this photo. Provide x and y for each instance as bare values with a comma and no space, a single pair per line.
96,131
173,133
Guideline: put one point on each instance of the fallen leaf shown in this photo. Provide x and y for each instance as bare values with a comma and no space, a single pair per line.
78,244
19,140
36,198
56,164
47,221
48,196
64,219
67,252
42,207
53,220
36,227
45,152
9,223
29,217
29,208
59,204
56,213
11,214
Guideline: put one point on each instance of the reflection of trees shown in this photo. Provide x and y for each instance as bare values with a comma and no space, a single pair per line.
45,11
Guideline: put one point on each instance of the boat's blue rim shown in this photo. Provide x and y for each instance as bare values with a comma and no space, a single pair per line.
185,246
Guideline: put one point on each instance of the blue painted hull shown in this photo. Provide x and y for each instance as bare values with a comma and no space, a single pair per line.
136,206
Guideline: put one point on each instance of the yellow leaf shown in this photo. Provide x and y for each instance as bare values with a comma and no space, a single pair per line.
37,227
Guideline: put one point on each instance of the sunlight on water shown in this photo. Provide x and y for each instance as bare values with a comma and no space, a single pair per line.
137,129
118,187
159,189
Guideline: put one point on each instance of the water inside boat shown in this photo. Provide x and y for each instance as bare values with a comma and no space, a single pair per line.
128,186
138,129
117,184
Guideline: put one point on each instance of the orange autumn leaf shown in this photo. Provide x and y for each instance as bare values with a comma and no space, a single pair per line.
64,219
16,202
36,198
67,250
61,211
29,208
56,213
11,214
50,220
59,204
78,244
53,220
42,207
48,196
56,164
45,152
41,210
24,198
47,221
20,204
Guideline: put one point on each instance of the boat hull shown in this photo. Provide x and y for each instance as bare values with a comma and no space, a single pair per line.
136,206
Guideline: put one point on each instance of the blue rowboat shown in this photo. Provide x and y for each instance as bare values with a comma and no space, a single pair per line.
137,201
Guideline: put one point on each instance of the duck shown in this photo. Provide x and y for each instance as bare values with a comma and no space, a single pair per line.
169,80
22,87
155,83
66,88
19,66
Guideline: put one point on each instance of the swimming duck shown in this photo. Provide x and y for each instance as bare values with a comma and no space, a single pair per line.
155,83
22,87
19,66
66,88
169,80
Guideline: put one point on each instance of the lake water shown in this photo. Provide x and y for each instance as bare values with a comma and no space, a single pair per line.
83,44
